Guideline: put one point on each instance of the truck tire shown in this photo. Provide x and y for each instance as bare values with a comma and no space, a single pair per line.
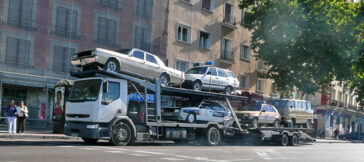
90,141
284,140
121,134
112,65
213,136
293,141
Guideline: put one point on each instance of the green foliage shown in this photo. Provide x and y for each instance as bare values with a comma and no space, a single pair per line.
307,43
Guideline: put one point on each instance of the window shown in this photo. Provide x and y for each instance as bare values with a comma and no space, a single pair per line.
17,52
142,38
182,65
144,8
197,70
230,74
207,4
221,73
309,105
213,71
262,65
183,33
204,39
20,13
114,4
261,84
62,58
66,22
229,14
113,92
244,81
265,107
151,59
138,54
227,49
106,33
271,109
245,52
292,104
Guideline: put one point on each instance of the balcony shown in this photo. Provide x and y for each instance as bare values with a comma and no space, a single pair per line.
229,22
227,56
262,67
352,107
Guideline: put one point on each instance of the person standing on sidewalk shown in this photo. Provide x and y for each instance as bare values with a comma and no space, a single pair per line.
11,113
22,115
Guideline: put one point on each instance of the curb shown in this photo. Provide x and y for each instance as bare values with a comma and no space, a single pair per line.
33,136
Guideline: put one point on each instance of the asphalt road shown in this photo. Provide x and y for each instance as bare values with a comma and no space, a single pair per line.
51,150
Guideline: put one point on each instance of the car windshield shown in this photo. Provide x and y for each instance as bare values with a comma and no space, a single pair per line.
253,107
279,104
124,51
85,90
197,70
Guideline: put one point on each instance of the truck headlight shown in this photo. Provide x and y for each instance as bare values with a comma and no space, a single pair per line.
92,126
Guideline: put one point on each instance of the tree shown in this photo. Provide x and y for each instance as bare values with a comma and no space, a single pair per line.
307,43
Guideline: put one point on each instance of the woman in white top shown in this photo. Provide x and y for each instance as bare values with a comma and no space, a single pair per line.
22,115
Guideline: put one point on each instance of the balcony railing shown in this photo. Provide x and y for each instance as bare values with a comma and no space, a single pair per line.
229,21
227,55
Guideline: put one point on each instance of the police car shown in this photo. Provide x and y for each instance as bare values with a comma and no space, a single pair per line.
211,78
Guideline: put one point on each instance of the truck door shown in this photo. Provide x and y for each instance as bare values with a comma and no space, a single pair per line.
110,102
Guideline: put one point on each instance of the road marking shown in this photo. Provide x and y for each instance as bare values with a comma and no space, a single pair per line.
140,155
172,159
115,152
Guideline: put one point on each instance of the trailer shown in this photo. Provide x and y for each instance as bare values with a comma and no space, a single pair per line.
99,108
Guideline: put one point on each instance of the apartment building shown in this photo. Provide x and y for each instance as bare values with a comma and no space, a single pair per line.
38,37
209,30
338,109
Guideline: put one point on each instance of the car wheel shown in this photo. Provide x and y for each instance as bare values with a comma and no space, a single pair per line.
121,135
284,140
254,123
276,123
112,65
164,78
213,136
90,141
228,90
197,86
191,118
293,141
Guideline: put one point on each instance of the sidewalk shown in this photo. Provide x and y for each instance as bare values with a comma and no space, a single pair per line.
34,133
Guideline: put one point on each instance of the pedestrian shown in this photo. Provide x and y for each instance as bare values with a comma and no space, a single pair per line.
22,115
11,113
336,133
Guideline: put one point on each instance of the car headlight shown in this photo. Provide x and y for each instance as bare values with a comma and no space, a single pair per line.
92,126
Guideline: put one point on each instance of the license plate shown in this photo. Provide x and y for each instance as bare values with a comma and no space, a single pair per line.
74,134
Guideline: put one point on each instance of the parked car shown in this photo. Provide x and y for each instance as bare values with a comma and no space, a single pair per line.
210,78
352,136
207,111
129,60
294,112
259,113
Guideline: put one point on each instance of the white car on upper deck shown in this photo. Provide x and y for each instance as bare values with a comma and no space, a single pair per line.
208,77
131,60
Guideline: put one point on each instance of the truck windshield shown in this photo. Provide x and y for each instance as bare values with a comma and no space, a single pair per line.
253,107
85,90
279,104
197,70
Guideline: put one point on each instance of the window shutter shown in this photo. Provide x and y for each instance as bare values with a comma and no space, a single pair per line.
24,51
11,51
26,17
111,32
61,20
13,13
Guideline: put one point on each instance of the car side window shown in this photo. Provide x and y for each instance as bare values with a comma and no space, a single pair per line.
205,105
309,105
291,104
151,59
265,107
304,105
217,107
271,109
138,54
213,71
230,74
113,92
221,73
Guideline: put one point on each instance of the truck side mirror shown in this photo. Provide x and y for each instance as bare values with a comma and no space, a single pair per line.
105,87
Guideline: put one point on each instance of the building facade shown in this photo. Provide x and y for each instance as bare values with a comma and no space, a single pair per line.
38,38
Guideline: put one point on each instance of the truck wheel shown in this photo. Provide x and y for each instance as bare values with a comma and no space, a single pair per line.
213,136
284,140
255,123
197,86
164,78
293,141
112,65
228,90
191,118
121,135
276,123
90,141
